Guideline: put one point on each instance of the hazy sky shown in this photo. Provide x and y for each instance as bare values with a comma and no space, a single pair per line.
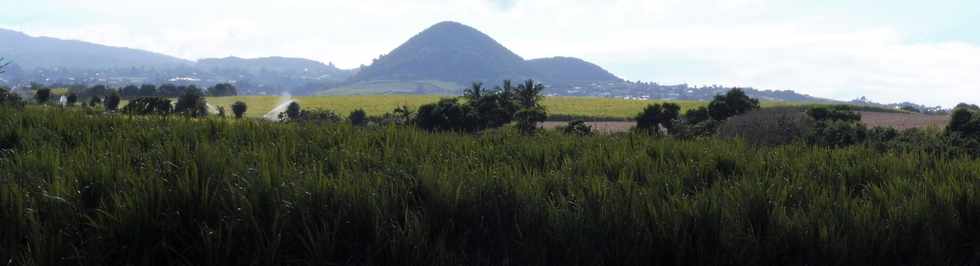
924,51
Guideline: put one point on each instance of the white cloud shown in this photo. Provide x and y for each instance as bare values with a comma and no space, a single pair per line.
734,42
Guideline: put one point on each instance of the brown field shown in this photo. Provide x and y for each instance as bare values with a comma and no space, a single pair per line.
903,120
872,119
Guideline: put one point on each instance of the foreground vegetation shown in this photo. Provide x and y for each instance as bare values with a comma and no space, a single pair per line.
80,188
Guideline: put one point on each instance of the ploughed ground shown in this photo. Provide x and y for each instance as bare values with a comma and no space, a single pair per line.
871,119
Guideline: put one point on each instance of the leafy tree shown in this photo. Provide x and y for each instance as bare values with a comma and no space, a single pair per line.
358,118
147,90
446,115
837,133
8,98
168,90
239,108
657,115
965,122
130,91
528,119
733,103
577,127
835,113
192,103
223,89
72,99
42,95
404,115
148,106
97,91
112,101
475,92
94,101
293,111
697,115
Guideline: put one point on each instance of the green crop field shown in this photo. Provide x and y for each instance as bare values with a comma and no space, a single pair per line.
78,187
380,104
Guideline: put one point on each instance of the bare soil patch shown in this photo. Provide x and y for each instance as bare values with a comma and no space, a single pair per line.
903,120
899,121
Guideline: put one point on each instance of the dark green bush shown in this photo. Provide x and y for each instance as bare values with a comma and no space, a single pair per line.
697,115
239,108
42,95
837,133
112,101
834,113
769,126
655,116
577,127
192,103
358,118
734,102
148,106
10,99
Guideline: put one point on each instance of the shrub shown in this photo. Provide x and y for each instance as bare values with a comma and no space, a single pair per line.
705,128
41,96
293,111
94,101
697,115
72,99
222,90
965,121
657,115
317,116
239,108
358,118
770,126
834,113
528,119
446,115
148,106
112,101
192,103
734,102
577,127
837,133
8,98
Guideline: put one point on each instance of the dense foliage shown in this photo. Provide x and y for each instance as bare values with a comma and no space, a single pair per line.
733,103
192,103
110,190
658,115
10,99
149,106
485,109
239,108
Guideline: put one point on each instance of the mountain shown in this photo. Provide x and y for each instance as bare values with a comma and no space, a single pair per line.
569,69
269,74
448,51
275,64
43,52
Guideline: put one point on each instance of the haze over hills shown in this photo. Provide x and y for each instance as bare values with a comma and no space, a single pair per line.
34,52
439,60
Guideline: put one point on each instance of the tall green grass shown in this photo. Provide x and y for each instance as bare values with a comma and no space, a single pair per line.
84,189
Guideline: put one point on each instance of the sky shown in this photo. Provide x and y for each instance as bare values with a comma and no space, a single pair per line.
890,51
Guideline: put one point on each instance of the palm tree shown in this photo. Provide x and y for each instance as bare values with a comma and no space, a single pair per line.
474,93
528,95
